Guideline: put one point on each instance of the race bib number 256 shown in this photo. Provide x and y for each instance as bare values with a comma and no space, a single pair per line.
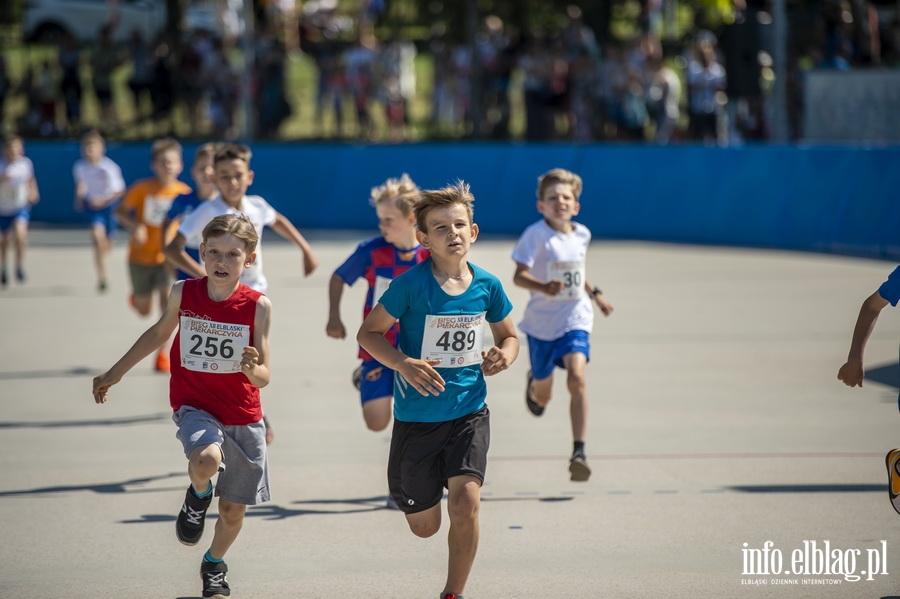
215,347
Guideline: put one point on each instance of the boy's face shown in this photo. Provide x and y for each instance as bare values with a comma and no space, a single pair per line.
167,166
394,226
449,232
225,258
233,178
13,150
92,150
558,203
203,173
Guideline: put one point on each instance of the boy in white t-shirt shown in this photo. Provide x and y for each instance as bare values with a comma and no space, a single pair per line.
18,193
550,262
98,186
231,164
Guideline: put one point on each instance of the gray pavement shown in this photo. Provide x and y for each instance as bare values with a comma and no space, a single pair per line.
716,422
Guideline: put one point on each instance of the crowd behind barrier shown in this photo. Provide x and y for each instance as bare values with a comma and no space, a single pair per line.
566,84
828,199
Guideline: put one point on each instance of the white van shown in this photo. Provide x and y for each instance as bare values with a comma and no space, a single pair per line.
47,21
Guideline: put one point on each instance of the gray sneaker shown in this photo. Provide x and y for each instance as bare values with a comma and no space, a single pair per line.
578,468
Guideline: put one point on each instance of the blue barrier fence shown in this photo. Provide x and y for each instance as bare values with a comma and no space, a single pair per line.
828,199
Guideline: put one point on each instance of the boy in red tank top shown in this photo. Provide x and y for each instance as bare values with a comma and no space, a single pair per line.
219,362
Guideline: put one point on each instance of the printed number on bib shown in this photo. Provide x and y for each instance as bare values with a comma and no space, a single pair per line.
572,276
155,210
455,340
215,347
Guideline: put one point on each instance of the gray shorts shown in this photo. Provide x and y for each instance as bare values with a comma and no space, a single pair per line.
147,279
244,474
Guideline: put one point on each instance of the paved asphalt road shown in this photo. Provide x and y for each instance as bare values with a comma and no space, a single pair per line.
717,425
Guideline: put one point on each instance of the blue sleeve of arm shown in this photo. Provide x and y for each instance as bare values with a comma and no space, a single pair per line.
890,289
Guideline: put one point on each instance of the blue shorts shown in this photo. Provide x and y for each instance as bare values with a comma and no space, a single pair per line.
104,217
546,355
7,221
377,381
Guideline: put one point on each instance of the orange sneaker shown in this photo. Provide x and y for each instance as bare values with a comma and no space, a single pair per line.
162,362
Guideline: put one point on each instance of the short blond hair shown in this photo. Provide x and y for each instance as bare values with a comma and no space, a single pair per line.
207,150
457,193
559,175
233,224
401,192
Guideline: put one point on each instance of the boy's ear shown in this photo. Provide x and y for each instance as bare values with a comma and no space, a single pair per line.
250,260
474,233
422,238
203,251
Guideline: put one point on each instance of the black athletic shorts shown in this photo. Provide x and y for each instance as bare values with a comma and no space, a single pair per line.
424,455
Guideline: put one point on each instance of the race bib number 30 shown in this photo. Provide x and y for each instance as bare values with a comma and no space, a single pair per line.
455,340
216,347
572,276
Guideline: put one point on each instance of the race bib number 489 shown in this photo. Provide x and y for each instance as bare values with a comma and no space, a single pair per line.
216,347
454,340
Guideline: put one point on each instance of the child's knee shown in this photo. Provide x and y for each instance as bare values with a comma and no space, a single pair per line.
231,513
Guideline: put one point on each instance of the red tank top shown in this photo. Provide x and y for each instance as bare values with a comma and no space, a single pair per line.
206,354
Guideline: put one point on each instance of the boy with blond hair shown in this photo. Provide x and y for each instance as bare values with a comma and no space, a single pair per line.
18,193
98,186
143,211
379,260
214,389
550,263
441,430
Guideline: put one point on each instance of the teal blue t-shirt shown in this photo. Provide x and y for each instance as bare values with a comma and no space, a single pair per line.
452,328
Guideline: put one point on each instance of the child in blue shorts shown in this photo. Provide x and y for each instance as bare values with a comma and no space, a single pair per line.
379,260
441,430
99,185
18,193
852,372
550,262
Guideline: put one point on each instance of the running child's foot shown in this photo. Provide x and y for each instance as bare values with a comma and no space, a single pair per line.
891,460
451,596
533,406
356,377
578,468
20,274
101,286
191,518
4,279
215,581
162,362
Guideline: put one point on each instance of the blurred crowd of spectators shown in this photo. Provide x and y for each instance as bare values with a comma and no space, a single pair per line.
569,85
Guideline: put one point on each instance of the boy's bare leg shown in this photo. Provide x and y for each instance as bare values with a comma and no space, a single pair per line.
377,413
101,250
542,390
576,364
231,519
21,241
203,463
462,506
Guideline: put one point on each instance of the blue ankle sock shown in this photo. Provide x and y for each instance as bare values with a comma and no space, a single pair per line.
204,494
208,558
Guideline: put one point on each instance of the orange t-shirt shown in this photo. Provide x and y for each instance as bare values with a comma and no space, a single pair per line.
148,202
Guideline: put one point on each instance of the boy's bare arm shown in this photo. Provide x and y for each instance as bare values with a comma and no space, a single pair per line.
523,278
335,327
255,359
852,372
286,229
151,340
506,348
179,258
418,373
605,306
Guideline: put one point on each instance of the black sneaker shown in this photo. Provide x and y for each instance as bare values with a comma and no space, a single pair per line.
3,278
189,524
215,581
356,377
533,406
578,468
20,274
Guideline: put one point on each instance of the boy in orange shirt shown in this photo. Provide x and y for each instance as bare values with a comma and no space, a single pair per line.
143,211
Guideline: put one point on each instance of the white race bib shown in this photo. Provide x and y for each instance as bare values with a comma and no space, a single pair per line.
155,210
381,285
572,276
216,347
13,195
455,340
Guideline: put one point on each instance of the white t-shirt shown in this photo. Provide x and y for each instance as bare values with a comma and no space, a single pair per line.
260,213
14,178
101,179
552,255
